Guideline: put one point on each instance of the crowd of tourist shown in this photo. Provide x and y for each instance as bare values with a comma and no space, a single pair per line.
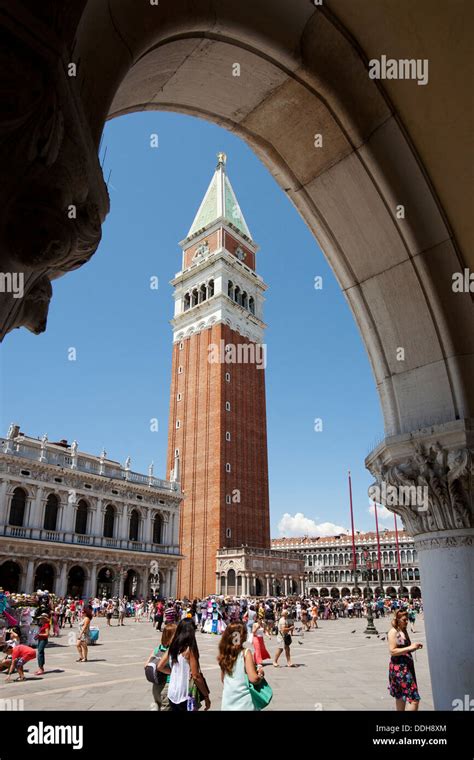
243,625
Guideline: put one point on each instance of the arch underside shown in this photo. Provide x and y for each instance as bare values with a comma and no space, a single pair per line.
299,77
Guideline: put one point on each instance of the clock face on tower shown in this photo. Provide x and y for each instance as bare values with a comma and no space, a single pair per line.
240,253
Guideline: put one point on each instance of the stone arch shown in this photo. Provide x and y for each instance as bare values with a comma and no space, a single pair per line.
82,516
76,579
134,524
231,582
158,523
313,592
105,581
415,592
326,79
10,576
45,576
391,591
110,520
17,511
131,583
51,511
324,591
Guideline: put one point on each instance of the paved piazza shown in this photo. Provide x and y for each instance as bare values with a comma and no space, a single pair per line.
336,670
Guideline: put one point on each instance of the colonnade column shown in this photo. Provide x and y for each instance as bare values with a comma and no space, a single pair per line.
172,590
34,518
29,577
436,465
147,528
62,580
120,581
122,532
90,589
96,527
3,503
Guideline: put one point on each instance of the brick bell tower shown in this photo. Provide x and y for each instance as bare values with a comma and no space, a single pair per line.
217,422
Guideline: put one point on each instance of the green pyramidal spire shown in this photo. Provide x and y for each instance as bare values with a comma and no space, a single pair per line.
220,202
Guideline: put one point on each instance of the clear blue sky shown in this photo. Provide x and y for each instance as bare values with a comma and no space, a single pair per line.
317,364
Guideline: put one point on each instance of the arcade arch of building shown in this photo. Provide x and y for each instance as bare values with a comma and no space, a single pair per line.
337,592
232,583
80,577
309,76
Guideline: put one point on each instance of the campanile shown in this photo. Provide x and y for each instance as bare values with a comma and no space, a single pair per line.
217,422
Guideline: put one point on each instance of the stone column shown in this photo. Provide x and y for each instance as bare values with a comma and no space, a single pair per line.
122,530
97,519
35,510
285,581
164,526
428,479
267,578
146,538
68,511
171,587
90,586
62,580
3,503
254,583
121,581
225,584
30,576
174,538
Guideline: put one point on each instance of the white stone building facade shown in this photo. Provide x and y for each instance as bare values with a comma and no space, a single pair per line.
246,571
328,567
79,524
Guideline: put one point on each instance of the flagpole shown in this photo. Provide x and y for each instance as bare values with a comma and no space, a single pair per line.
379,556
354,557
398,557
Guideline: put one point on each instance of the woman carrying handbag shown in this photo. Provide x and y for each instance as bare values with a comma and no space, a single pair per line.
187,686
285,629
245,687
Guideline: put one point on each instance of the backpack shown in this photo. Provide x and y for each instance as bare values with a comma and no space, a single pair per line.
152,673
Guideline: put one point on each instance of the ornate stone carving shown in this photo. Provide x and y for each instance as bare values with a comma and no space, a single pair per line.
55,199
441,542
448,479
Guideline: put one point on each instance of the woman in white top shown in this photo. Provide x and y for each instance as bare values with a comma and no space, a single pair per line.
181,661
284,629
237,668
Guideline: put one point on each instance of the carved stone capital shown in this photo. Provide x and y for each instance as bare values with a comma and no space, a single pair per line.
444,474
55,199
